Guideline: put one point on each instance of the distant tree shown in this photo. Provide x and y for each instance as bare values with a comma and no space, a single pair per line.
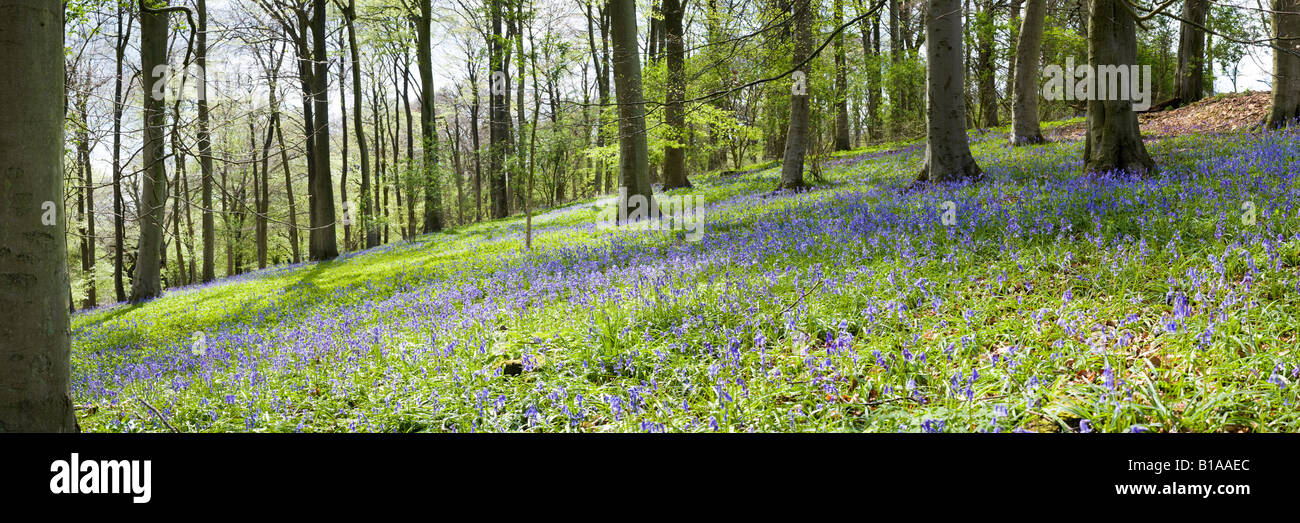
1029,47
843,140
1191,52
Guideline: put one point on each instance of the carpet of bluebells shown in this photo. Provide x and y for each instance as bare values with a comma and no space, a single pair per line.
1055,302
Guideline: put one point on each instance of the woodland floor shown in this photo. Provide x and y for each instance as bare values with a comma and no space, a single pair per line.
1058,301
1225,113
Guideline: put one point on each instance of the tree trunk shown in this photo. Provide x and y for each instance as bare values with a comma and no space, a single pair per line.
474,140
177,195
896,105
350,16
843,141
411,168
634,156
517,174
453,138
86,198
947,151
205,149
264,211
1024,107
259,231
1285,109
987,84
119,211
348,212
796,139
1191,52
35,376
288,188
1013,41
324,242
428,131
499,115
674,110
146,282
871,55
1113,141
532,148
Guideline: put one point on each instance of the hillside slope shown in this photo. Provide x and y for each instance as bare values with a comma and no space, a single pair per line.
1056,302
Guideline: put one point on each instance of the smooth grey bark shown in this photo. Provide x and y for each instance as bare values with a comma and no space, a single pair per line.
947,151
428,131
1113,140
674,109
34,339
146,282
796,137
634,154
1024,106
1191,52
1285,108
324,241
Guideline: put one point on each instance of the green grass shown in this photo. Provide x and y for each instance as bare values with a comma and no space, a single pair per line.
778,321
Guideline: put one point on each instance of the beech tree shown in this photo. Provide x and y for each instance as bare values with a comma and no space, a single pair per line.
634,154
1191,52
1112,140
1024,106
323,238
947,150
428,133
35,384
1285,107
146,282
675,93
796,138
